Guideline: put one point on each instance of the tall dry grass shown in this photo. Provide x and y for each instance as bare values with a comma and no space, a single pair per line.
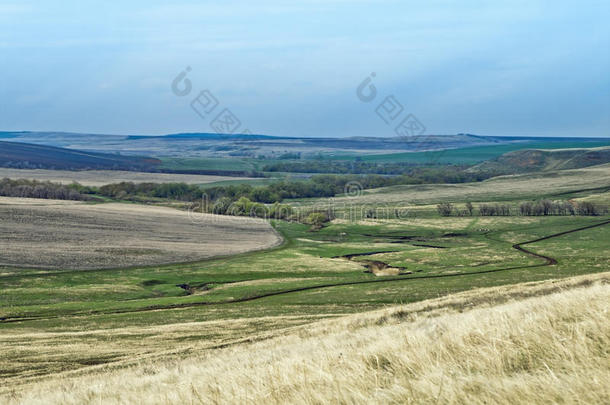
552,348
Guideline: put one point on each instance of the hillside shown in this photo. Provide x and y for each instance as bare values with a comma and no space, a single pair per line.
386,147
542,342
536,160
31,156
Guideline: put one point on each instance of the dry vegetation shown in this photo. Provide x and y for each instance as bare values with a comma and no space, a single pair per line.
497,188
98,178
73,235
543,342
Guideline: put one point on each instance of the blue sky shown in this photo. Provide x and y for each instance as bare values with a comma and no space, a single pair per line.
292,67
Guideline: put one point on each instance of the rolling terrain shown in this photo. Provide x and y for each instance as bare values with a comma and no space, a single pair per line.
535,160
96,294
116,316
514,344
510,187
459,148
30,156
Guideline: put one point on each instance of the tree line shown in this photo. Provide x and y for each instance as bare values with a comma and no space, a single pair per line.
527,208
411,173
37,189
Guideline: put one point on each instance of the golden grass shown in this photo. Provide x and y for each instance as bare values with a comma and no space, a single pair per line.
497,188
543,342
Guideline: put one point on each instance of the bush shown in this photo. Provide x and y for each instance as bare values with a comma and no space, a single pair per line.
36,189
444,209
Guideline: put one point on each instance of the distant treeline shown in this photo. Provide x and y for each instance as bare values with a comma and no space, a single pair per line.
323,185
211,172
527,208
37,189
238,200
416,173
317,186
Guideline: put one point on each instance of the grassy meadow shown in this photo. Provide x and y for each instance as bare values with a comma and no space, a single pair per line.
537,342
60,323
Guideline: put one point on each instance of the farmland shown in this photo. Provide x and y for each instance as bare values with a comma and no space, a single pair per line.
45,234
102,177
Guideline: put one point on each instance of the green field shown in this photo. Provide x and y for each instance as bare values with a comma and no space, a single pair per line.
303,280
56,321
232,164
469,155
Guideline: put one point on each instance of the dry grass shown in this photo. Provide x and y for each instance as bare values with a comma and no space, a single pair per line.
73,235
497,188
544,342
101,177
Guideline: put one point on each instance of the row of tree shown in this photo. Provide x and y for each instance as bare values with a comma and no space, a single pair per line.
317,186
244,207
527,208
36,189
409,173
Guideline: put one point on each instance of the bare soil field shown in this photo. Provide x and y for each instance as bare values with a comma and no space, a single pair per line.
72,235
101,177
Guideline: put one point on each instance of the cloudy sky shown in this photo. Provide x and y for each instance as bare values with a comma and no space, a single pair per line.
292,67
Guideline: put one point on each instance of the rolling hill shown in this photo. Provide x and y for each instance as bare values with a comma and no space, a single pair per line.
543,342
540,160
390,147
29,156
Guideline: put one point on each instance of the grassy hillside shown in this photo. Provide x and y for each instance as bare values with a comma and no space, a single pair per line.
552,184
533,160
59,322
544,342
115,317
465,154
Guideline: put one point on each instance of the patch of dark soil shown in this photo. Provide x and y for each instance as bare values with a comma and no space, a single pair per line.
429,246
186,287
148,283
198,287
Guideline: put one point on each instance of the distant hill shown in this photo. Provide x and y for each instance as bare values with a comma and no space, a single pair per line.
539,160
30,156
462,148
205,145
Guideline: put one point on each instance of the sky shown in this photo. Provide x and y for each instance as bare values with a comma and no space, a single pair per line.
292,68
